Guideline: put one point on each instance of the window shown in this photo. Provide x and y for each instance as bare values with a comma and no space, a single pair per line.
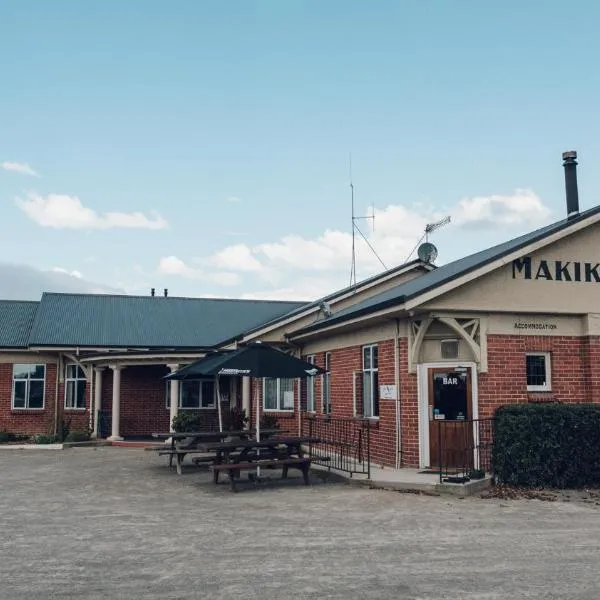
326,386
194,394
370,382
538,372
28,386
75,384
310,387
278,394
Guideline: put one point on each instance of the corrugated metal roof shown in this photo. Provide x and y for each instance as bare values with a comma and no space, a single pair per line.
16,320
446,273
87,320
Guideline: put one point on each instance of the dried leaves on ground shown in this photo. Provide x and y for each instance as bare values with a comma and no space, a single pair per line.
511,492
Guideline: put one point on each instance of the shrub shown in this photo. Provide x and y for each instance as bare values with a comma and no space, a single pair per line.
45,439
547,445
269,422
77,436
6,436
186,421
234,419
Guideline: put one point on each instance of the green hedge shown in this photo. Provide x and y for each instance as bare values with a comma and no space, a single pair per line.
547,445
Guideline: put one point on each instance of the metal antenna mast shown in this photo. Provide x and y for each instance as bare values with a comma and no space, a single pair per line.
355,228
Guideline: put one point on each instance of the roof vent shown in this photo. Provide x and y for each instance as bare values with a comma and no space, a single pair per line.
152,292
449,348
166,292
570,165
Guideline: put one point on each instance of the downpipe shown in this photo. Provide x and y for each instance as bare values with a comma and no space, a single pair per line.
397,401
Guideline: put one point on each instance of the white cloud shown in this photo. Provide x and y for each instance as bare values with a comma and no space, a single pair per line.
524,207
233,199
22,168
67,212
171,265
67,272
297,267
225,278
237,257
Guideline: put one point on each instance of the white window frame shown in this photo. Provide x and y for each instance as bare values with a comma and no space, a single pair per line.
279,407
374,387
168,383
27,387
75,380
311,390
547,387
326,385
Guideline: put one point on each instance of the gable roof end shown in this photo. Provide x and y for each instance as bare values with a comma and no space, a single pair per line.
448,273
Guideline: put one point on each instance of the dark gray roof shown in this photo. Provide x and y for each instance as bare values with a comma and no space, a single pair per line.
413,264
16,319
446,273
87,320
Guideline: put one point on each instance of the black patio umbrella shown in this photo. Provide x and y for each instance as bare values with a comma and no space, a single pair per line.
255,360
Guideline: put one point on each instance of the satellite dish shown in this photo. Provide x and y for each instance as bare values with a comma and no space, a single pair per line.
427,252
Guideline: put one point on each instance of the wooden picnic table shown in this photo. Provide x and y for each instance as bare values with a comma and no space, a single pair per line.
196,437
238,455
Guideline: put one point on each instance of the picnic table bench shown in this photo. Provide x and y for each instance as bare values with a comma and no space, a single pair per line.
179,451
243,455
234,469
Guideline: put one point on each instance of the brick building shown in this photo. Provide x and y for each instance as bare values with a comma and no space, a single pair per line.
517,323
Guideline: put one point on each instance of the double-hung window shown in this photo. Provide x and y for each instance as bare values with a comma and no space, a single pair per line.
538,372
278,394
370,382
75,385
310,387
193,395
326,386
28,386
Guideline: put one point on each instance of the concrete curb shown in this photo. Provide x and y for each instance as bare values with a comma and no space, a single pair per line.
32,447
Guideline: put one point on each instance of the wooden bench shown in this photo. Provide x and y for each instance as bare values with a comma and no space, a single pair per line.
234,469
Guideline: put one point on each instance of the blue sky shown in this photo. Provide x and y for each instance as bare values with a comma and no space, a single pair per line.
203,146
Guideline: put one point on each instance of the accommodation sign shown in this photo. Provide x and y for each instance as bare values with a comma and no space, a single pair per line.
556,270
535,326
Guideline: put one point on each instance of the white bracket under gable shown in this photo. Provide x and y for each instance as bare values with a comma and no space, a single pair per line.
470,329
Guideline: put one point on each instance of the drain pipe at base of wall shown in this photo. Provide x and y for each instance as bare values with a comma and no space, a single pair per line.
397,382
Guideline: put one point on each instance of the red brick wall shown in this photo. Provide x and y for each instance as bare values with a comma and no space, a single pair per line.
143,399
409,410
344,363
26,421
574,375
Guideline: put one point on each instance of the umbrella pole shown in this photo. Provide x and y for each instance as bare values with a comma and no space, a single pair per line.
258,430
219,406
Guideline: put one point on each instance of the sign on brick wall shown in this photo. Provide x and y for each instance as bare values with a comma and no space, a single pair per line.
388,392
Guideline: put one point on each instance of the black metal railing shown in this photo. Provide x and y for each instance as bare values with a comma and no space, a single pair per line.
344,443
462,449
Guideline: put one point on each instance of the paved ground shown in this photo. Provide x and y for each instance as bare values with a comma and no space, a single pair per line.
114,523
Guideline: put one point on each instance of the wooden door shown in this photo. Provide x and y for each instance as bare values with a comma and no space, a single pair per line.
450,414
